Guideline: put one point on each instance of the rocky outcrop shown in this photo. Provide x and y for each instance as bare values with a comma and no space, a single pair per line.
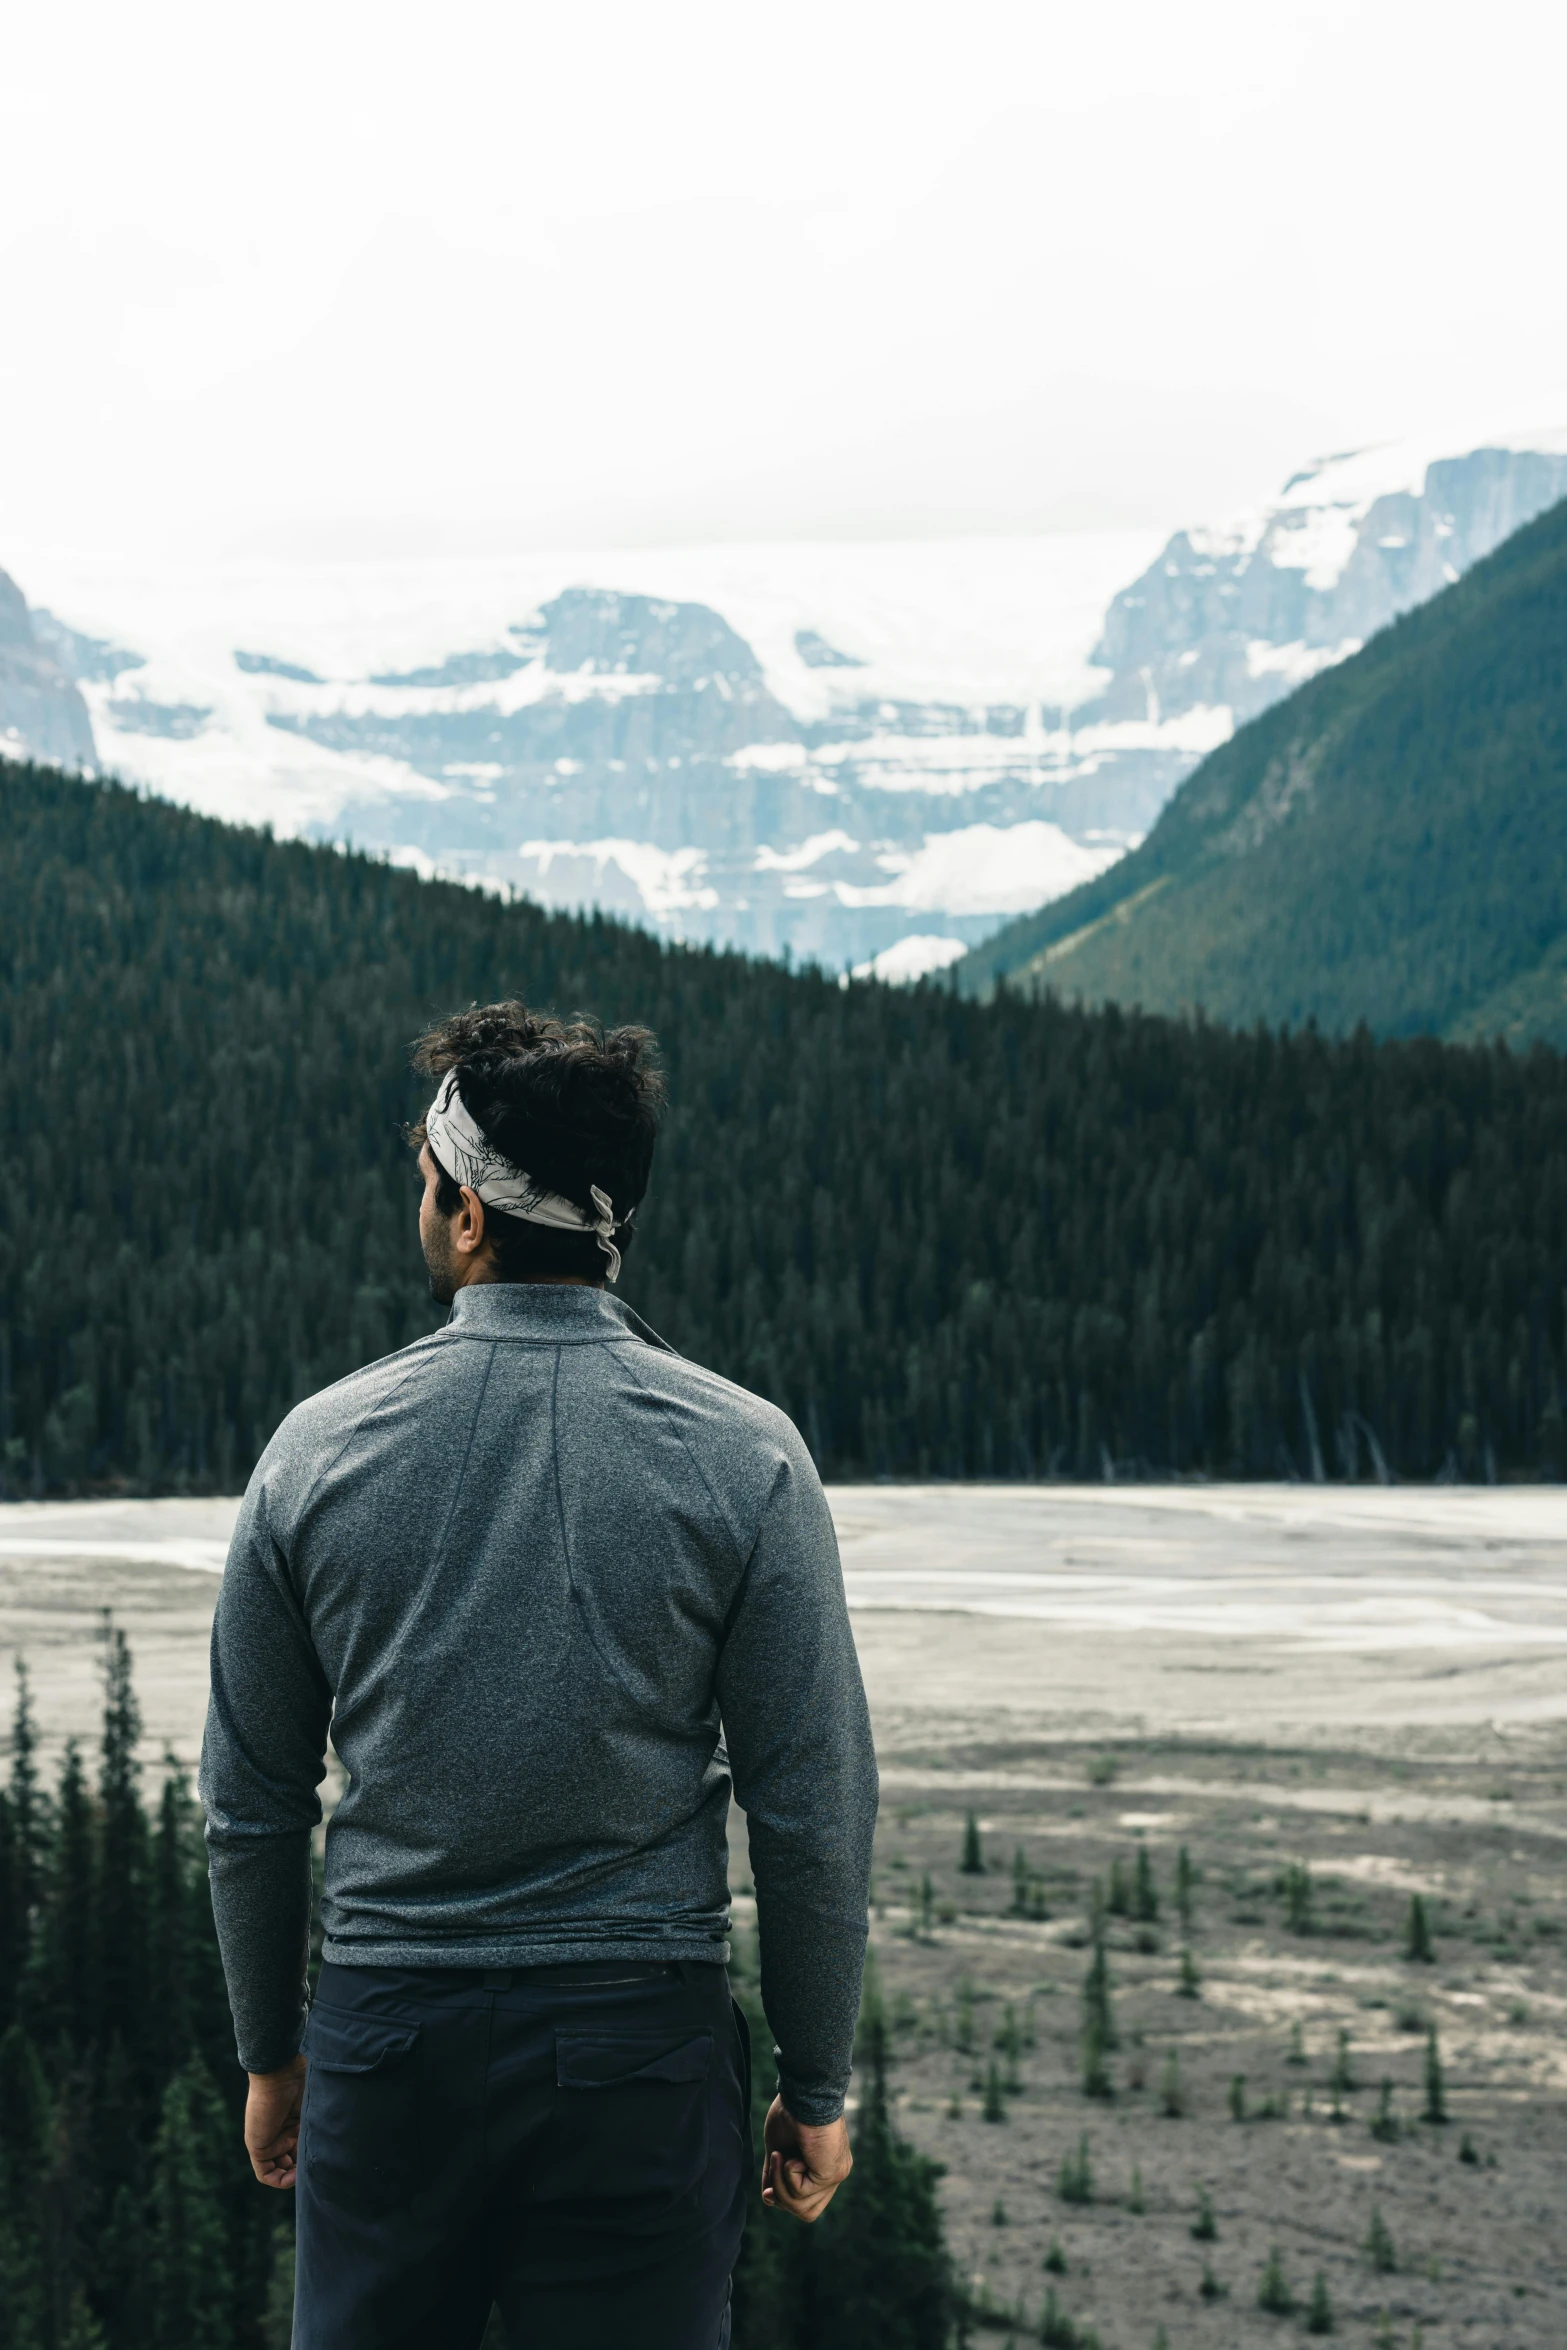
42,713
1238,617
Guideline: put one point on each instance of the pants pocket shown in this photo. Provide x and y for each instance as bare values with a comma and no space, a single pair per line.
627,2140
360,2139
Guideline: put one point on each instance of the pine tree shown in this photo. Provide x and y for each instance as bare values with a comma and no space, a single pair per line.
1298,1898
1019,1883
1419,1948
1205,2228
14,1924
120,1908
874,2270
1119,1903
1097,2012
1172,2094
82,2330
27,1807
927,1912
1319,2313
1145,1895
972,1863
1190,1984
994,2109
1435,2086
1274,2294
1379,2243
192,2274
25,2145
277,2314
169,2020
61,1991
1075,2182
1185,1887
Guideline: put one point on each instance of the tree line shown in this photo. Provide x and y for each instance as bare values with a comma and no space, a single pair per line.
129,2219
951,1239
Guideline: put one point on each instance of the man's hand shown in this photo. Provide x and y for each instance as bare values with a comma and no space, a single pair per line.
272,2123
802,2168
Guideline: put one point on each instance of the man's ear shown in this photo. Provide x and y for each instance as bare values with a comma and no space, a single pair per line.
468,1225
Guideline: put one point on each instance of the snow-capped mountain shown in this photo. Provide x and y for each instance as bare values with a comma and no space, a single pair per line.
868,755
1232,618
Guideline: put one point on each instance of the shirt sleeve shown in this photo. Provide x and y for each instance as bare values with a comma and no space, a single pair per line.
799,1739
262,1760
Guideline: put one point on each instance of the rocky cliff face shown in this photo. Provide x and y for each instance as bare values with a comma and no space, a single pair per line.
1234,618
42,713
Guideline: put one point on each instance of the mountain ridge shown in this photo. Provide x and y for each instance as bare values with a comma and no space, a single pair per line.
1387,845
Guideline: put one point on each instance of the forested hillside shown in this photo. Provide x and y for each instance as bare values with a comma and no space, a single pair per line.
1388,845
952,1239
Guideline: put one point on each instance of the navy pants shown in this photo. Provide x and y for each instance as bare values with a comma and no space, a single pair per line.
571,2143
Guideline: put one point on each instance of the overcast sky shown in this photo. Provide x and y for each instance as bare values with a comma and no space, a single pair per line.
342,277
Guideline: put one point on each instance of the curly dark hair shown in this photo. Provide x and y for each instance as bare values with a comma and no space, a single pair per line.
572,1102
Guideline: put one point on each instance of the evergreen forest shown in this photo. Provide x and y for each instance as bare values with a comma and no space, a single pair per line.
952,1239
129,2219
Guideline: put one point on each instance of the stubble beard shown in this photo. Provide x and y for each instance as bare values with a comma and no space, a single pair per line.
439,1267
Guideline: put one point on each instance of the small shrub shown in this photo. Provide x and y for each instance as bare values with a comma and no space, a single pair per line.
1134,2194
1205,2227
1342,2081
1410,2016
1210,2287
972,1863
1172,2092
1055,2259
1319,2314
1297,2050
1102,1769
1119,1903
1238,2097
1273,2294
1384,2125
1467,2149
994,2108
998,2214
1190,1984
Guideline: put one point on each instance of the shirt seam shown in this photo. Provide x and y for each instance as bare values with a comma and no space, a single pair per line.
742,1554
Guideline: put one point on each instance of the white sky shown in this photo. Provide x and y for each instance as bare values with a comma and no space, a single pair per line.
344,278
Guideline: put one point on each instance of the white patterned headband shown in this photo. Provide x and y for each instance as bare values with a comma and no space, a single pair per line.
468,1156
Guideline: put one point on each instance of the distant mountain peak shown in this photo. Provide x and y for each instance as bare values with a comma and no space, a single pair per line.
42,713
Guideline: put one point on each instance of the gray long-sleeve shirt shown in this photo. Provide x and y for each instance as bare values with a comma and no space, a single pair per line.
548,1585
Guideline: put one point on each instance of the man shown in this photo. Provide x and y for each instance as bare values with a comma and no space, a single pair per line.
548,1586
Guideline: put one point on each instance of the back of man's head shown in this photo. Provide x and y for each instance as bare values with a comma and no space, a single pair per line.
569,1103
